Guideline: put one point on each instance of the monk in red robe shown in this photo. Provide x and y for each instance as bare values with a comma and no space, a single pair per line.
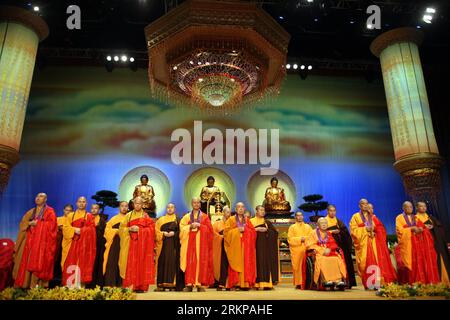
78,247
416,243
137,244
196,258
35,246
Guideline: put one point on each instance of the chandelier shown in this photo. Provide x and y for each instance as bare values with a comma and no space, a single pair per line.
216,55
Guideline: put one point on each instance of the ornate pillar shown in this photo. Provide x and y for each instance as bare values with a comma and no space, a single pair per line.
416,153
20,33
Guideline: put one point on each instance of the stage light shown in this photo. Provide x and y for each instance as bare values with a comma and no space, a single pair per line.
302,67
288,66
116,58
191,62
310,1
36,9
131,59
281,17
310,67
316,19
419,27
430,10
124,58
175,68
295,66
109,58
352,22
427,18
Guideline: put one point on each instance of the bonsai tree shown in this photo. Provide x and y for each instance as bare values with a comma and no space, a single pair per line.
314,204
106,198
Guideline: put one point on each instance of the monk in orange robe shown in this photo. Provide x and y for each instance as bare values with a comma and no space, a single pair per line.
196,257
35,246
297,235
220,260
329,265
440,242
240,246
372,254
78,247
137,248
418,257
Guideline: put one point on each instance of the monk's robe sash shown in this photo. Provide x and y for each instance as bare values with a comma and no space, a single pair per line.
40,245
140,271
82,249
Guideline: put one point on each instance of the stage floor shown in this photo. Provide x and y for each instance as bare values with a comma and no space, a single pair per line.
283,291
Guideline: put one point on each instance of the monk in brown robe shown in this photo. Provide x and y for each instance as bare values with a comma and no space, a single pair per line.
167,250
35,246
440,242
100,225
267,260
78,247
112,248
220,259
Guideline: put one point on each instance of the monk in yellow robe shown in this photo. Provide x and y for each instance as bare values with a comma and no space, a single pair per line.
240,246
57,271
137,248
112,248
78,246
267,260
417,254
220,260
329,265
196,258
297,235
167,250
372,254
437,229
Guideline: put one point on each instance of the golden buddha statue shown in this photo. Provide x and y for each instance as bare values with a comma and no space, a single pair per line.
210,195
146,192
274,199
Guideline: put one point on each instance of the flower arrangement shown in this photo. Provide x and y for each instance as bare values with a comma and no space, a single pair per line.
397,291
64,293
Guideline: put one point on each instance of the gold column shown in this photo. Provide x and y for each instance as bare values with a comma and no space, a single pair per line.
416,153
20,33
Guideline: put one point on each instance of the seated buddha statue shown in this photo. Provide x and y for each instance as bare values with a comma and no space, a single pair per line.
274,199
146,192
211,193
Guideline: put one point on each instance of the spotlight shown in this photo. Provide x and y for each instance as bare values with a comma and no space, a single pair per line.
302,67
131,59
124,58
281,17
199,63
310,67
430,10
288,66
316,19
175,68
295,66
116,58
427,18
191,62
36,9
109,58
419,27
352,22
310,1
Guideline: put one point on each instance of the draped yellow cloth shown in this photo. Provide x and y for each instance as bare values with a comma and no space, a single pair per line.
184,240
109,235
218,226
331,221
61,221
404,240
332,268
124,234
69,232
296,232
159,235
361,238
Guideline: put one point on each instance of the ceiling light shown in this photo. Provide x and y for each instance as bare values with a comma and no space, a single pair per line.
302,67
131,59
36,9
295,66
288,66
116,58
427,18
430,10
108,58
310,67
124,58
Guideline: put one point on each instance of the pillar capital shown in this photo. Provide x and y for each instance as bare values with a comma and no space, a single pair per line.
404,34
9,157
25,17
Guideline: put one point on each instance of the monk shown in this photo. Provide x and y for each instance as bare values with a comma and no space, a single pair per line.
240,244
329,265
100,225
137,244
267,261
112,248
297,235
35,246
440,242
418,257
57,270
220,260
167,250
196,258
78,246
372,254
344,241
